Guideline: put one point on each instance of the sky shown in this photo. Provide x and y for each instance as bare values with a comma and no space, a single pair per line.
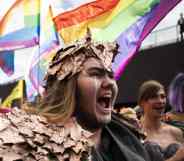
169,20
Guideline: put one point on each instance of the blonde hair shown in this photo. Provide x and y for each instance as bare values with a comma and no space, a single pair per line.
60,101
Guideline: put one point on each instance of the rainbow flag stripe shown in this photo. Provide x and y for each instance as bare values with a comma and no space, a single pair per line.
20,25
131,39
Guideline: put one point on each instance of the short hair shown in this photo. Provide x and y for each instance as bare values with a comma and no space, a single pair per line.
176,93
148,90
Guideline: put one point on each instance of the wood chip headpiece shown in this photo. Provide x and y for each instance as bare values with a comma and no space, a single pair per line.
69,61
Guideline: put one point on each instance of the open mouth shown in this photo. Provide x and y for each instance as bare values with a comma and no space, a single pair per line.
104,103
159,109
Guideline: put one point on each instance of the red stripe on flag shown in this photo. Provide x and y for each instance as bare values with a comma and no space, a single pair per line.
83,13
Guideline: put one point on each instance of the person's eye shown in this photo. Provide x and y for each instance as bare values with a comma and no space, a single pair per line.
95,73
111,75
153,96
163,96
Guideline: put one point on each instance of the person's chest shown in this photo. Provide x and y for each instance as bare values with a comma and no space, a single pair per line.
164,139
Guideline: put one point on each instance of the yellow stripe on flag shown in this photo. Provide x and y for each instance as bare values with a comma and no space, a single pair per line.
16,93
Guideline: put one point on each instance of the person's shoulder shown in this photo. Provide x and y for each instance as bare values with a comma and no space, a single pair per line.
171,127
25,136
175,131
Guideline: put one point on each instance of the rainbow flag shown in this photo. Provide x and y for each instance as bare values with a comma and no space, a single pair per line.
34,79
19,27
35,28
7,62
19,59
40,21
48,42
127,22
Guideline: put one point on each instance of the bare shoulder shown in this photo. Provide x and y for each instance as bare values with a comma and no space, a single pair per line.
172,129
26,136
176,132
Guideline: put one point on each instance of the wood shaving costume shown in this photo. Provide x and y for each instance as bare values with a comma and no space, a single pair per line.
29,137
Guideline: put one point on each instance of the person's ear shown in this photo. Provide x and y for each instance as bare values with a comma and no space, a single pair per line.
142,103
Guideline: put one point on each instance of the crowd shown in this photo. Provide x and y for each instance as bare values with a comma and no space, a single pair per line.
76,120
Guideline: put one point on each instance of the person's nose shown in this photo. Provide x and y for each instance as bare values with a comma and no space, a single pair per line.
108,82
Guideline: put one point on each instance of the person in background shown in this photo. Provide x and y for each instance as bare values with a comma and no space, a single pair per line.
74,120
163,142
180,26
139,111
176,100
